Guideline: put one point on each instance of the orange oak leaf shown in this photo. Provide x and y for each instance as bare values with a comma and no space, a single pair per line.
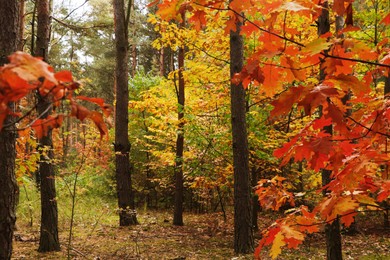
79,111
198,19
43,126
318,96
338,7
284,103
384,193
97,118
307,222
98,101
31,69
64,76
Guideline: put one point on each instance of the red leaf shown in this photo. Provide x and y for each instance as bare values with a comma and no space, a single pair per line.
318,96
13,86
198,19
31,69
79,111
281,152
64,76
386,19
43,126
338,7
97,118
98,101
284,103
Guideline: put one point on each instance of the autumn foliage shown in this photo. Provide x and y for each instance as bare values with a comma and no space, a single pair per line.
285,65
25,75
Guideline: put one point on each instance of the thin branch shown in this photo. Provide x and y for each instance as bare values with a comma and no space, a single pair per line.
369,128
77,28
74,10
327,55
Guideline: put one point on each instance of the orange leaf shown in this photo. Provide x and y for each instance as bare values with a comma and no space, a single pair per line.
318,96
198,19
284,103
338,7
43,126
64,76
31,69
97,118
13,86
98,101
79,111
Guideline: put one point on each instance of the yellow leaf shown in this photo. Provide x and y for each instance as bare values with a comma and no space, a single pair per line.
276,245
317,46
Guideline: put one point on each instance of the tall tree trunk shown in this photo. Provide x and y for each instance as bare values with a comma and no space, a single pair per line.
49,240
127,214
9,40
179,187
161,62
243,233
332,231
21,25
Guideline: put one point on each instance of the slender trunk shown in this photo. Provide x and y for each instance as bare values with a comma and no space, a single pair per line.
134,58
161,62
9,33
332,231
179,188
49,240
255,200
21,25
127,214
243,233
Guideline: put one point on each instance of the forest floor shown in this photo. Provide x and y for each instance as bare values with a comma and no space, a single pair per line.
204,236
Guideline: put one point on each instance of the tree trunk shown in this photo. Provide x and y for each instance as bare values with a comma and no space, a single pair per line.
161,62
332,231
179,188
49,240
21,25
127,214
255,199
9,41
243,234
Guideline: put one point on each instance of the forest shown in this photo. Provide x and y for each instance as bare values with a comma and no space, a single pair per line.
194,129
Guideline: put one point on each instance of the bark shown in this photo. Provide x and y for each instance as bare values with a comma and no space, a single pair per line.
161,62
127,214
243,234
21,40
255,199
332,231
9,41
49,240
179,188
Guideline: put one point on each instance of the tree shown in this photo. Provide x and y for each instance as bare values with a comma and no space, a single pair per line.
332,230
49,240
180,92
9,40
243,234
127,214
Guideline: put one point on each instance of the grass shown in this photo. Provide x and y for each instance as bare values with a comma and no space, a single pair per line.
204,236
